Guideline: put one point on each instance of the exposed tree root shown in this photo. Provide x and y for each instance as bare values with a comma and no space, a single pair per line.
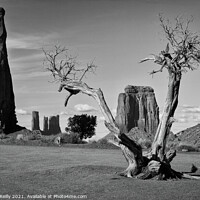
158,170
144,168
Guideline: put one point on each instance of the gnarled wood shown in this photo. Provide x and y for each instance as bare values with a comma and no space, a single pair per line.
171,102
131,150
185,56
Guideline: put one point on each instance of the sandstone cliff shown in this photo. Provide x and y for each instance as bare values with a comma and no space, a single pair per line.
137,107
51,125
35,121
54,127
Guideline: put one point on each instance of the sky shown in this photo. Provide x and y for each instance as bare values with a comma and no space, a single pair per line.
115,34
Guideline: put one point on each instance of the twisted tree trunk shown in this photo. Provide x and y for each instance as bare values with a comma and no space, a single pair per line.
171,102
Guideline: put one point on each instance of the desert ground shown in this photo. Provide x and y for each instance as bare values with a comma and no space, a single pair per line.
27,171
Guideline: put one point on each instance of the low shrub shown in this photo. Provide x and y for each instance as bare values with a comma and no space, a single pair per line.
72,138
187,147
102,144
48,139
2,136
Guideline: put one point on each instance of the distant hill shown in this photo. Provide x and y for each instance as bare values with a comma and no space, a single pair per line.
187,139
189,136
140,136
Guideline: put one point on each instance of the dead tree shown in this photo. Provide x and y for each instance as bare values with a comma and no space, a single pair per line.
182,53
185,55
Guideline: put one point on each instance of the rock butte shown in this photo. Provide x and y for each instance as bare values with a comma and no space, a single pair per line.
137,107
50,125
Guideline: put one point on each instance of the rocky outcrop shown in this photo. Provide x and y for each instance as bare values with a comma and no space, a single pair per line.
35,121
137,107
186,139
54,127
139,136
45,125
7,102
51,126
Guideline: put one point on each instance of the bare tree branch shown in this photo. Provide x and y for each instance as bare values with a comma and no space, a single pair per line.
63,66
183,44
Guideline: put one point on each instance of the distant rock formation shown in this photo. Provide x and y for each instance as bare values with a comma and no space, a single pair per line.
139,136
137,107
187,137
7,102
54,127
45,125
35,121
51,126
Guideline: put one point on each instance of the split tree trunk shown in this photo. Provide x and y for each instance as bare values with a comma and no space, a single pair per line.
171,102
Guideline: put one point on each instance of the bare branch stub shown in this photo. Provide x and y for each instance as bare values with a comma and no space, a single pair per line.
66,70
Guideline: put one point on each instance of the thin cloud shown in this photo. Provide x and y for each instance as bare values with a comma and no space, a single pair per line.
30,75
84,108
183,119
101,118
65,113
39,56
21,112
21,41
190,109
189,118
188,114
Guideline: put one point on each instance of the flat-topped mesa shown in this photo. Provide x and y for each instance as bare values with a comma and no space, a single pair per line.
7,102
137,107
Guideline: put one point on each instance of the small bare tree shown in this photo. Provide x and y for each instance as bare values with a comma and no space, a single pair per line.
182,53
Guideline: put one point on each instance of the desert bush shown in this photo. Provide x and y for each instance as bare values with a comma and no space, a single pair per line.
103,142
92,142
29,135
49,139
187,147
72,138
36,135
2,136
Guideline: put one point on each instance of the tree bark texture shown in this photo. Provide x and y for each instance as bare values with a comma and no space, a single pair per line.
171,102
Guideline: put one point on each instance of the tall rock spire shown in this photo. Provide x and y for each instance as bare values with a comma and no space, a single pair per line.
7,101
